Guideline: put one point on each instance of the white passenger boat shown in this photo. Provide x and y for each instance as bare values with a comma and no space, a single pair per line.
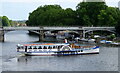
58,49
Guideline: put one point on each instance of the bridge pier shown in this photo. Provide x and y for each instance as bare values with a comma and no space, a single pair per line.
83,33
41,36
1,34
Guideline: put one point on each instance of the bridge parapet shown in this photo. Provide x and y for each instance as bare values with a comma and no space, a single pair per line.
98,28
62,28
59,28
21,28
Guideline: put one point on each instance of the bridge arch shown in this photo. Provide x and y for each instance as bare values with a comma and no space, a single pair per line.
19,36
100,30
87,31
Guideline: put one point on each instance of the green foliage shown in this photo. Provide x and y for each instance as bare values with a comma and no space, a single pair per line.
0,21
111,37
108,17
5,21
11,23
86,14
51,15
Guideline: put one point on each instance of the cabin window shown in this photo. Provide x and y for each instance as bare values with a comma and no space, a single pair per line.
35,47
59,47
81,50
18,47
44,47
22,47
30,47
39,47
54,47
49,47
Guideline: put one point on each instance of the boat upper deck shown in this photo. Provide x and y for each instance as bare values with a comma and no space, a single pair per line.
45,44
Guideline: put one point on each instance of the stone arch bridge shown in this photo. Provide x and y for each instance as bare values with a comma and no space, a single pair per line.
42,29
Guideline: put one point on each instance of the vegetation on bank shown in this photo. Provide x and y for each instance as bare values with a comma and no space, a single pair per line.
5,21
86,14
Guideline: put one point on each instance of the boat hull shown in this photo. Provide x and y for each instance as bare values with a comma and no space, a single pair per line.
62,53
32,54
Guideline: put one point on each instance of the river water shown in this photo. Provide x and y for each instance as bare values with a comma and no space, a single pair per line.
106,60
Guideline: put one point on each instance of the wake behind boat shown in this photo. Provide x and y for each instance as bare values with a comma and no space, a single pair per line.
56,49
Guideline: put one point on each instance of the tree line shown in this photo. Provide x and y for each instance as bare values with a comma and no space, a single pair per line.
4,21
86,14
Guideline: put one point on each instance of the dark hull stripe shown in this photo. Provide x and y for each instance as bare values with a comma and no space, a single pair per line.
61,54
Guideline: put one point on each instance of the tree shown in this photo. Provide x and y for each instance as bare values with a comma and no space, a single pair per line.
108,17
88,12
11,23
51,15
45,15
5,21
0,21
69,17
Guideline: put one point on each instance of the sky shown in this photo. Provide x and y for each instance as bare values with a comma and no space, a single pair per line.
20,9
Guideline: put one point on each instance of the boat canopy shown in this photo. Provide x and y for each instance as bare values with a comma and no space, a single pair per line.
46,44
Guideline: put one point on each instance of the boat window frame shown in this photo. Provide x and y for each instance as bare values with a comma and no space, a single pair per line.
49,47
18,47
39,47
54,47
30,47
59,47
34,47
81,51
22,47
44,47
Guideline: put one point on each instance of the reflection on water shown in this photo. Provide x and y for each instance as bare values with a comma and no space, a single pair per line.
23,59
107,60
20,36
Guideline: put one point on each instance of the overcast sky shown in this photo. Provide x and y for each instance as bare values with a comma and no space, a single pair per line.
20,9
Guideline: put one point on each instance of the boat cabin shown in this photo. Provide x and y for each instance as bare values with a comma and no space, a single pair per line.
41,46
